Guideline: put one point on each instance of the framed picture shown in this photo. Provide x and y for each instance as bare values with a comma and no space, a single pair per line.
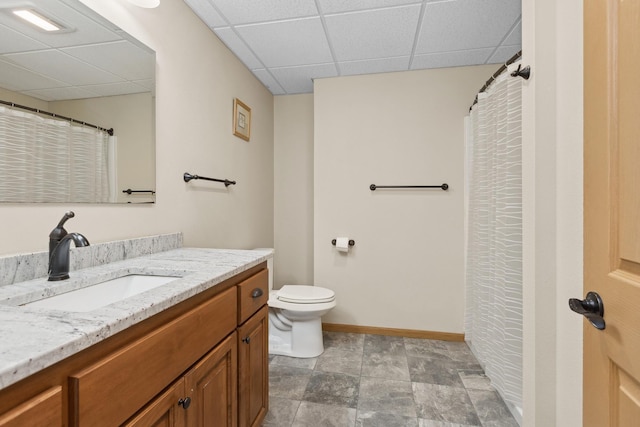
241,119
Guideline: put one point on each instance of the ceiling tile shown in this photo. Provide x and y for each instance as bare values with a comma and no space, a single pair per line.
300,79
465,24
238,47
85,29
112,89
248,11
205,11
268,81
451,59
13,41
150,85
60,94
16,78
288,43
332,6
515,37
60,66
369,66
373,34
503,54
121,58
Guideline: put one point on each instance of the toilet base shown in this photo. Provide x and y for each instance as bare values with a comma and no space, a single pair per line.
300,338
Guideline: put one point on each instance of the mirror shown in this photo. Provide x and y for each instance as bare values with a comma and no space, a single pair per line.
88,70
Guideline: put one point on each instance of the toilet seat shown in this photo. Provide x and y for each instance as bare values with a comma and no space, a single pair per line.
301,294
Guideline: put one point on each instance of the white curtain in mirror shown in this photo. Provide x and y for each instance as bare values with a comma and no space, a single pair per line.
50,160
493,316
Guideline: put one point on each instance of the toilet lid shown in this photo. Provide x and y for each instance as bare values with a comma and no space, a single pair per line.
301,294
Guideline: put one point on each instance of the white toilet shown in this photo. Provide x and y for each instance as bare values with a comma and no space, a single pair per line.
295,328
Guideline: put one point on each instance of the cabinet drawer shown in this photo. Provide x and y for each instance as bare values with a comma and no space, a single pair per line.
110,391
253,293
42,411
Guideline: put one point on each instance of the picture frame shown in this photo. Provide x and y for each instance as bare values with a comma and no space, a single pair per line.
241,119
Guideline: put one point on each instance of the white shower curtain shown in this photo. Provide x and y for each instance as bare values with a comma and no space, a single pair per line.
49,160
493,319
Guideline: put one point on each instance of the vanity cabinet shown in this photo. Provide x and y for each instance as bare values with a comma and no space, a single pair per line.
253,376
253,350
204,396
115,387
211,385
163,411
43,410
202,362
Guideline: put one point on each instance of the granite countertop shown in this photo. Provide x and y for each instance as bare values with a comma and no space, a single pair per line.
35,338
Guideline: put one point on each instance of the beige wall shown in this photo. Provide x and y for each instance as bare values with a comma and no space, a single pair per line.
552,212
197,79
407,267
293,189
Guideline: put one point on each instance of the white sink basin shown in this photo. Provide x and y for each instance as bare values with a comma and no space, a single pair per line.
102,294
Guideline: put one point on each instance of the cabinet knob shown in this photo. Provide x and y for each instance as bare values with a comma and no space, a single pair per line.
246,340
257,292
185,403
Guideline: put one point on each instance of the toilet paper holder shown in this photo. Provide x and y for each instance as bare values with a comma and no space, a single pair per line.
351,242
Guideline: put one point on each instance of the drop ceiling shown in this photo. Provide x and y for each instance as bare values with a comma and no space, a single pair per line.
90,58
289,43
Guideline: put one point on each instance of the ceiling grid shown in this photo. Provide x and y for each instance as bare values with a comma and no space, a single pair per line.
288,43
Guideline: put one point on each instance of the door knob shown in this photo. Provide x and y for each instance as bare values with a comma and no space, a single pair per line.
590,307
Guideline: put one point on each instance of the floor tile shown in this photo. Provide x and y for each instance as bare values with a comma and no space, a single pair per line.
281,412
384,345
441,371
332,388
417,346
491,409
318,415
456,346
386,396
465,357
431,423
296,362
335,360
475,379
365,380
385,366
379,419
434,353
444,403
288,382
344,341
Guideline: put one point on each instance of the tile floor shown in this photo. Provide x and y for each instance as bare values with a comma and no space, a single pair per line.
381,381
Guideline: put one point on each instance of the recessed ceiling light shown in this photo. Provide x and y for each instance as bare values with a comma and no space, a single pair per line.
149,4
37,19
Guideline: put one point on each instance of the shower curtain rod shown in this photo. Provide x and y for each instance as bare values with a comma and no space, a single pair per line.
495,75
57,116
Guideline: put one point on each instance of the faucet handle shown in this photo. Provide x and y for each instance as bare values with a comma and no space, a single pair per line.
59,232
65,217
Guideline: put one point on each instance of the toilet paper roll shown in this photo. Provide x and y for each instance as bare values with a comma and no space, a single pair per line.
342,244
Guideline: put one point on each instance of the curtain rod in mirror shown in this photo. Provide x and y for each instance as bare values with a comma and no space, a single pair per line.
57,116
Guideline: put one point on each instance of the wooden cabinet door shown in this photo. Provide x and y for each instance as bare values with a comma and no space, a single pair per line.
212,387
253,381
44,410
163,411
